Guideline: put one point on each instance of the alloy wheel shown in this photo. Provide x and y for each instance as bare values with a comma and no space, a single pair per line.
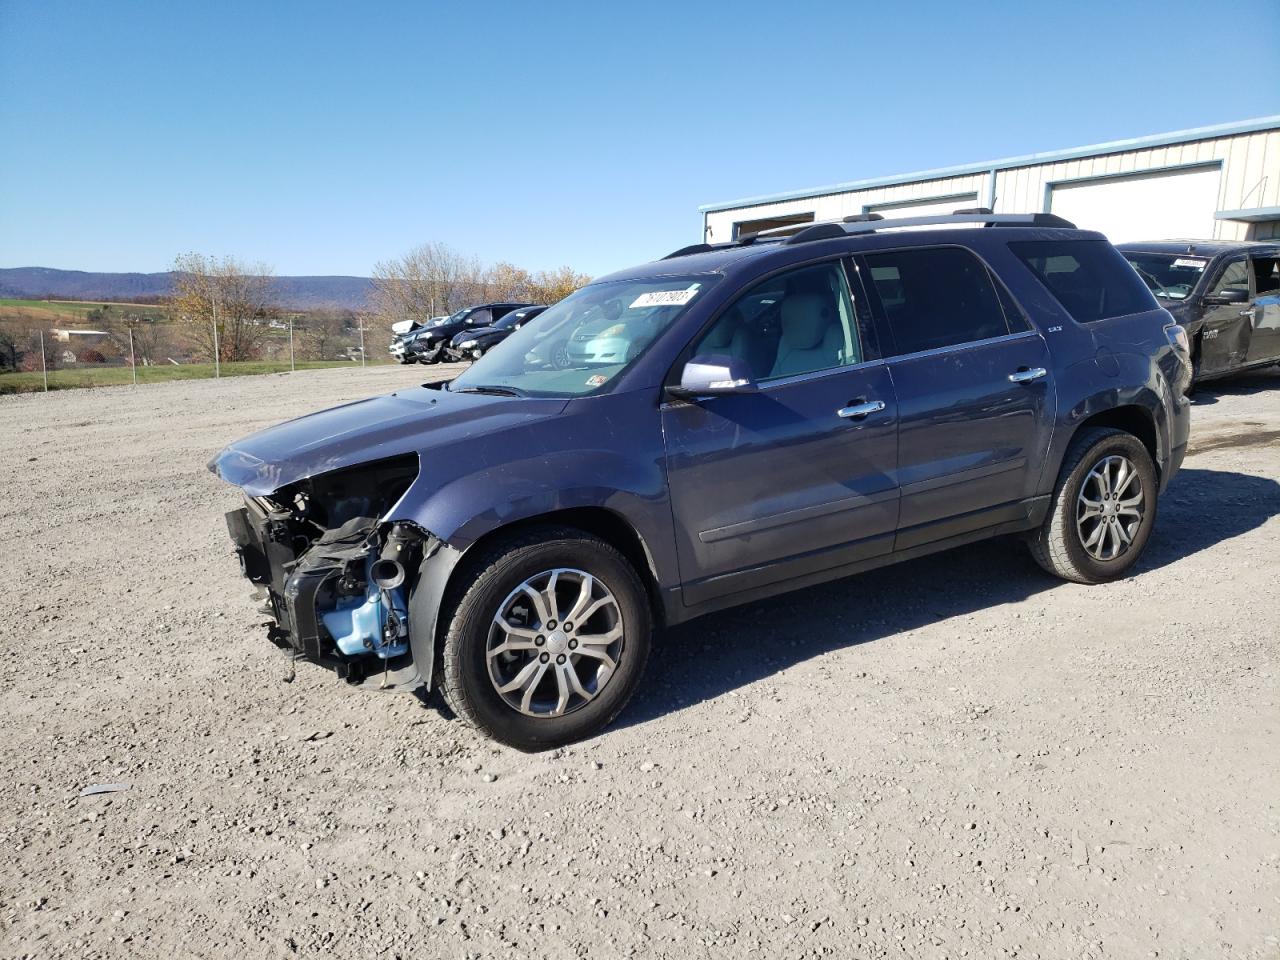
1110,507
555,642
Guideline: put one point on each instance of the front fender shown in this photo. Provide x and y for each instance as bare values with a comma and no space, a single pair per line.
602,453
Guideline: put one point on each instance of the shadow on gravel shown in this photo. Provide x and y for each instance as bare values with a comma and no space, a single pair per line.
1240,385
710,656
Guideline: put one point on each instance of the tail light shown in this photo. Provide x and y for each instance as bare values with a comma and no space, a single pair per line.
1182,347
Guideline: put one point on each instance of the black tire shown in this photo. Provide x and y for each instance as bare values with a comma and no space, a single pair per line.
1059,545
486,582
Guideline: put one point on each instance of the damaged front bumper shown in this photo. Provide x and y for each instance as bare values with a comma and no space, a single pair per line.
340,599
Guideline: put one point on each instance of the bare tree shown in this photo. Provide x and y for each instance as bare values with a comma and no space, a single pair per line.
550,286
506,281
11,341
240,293
427,281
323,331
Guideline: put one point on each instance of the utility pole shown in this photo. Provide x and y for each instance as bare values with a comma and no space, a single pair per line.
217,359
133,360
360,321
44,365
292,367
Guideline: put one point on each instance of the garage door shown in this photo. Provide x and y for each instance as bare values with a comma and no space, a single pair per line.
1173,205
923,208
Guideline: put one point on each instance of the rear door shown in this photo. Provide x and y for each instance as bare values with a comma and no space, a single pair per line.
1264,310
798,477
974,388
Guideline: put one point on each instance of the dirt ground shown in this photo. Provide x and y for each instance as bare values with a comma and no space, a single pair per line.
955,757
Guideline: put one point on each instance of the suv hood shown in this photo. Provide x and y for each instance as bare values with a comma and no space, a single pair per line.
369,430
471,332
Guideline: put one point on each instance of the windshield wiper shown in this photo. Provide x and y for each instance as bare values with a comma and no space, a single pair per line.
1163,291
491,389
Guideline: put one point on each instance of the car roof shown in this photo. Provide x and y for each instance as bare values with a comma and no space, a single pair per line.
1210,248
763,255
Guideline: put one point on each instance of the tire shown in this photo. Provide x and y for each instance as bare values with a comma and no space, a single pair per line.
1060,546
490,585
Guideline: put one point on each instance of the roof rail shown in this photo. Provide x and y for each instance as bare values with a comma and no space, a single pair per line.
859,226
872,222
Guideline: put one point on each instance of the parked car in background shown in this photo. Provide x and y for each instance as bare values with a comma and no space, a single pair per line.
406,330
1224,294
787,409
428,345
474,342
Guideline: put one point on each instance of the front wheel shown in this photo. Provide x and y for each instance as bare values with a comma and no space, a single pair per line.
1103,509
549,641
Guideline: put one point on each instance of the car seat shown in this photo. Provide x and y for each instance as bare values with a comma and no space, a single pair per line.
811,336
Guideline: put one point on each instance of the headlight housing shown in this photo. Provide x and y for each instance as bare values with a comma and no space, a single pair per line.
468,344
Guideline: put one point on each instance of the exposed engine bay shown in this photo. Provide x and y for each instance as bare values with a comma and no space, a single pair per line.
336,577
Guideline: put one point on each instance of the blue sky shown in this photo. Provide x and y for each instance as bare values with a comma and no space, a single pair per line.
321,138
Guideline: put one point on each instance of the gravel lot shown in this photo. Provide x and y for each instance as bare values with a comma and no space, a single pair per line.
954,757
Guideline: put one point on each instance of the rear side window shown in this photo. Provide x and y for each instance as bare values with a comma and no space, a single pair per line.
936,297
1089,278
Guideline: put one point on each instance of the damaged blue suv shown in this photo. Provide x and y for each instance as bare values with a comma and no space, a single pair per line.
727,423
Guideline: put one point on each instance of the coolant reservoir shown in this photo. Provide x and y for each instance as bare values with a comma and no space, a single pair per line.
356,625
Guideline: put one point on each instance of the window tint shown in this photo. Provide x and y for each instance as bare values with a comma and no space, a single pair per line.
1089,278
1234,277
796,322
936,298
1266,276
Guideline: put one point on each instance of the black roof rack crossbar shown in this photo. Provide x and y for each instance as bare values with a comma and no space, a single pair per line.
862,217
819,231
692,248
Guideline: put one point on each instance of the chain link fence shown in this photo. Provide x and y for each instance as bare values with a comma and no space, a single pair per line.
55,346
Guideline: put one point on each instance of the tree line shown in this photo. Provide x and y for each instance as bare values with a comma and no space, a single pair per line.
226,307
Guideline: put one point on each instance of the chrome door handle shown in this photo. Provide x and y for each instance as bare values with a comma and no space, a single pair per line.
859,410
1026,376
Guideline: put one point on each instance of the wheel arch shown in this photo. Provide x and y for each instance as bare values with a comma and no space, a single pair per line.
1131,418
444,571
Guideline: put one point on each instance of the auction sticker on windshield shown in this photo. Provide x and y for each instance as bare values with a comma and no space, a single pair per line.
665,298
1190,264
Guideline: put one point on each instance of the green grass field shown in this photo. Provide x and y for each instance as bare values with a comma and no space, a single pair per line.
76,309
123,376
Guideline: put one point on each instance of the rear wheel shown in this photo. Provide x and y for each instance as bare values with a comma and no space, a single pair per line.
1103,509
548,643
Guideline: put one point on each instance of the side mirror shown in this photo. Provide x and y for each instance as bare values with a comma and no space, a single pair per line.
1226,297
713,374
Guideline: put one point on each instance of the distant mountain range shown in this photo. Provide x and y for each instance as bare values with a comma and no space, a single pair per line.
304,293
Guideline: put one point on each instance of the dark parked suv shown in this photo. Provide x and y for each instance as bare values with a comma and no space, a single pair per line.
1225,294
474,342
767,414
430,343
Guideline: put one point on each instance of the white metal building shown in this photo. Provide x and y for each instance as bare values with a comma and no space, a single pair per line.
1220,182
